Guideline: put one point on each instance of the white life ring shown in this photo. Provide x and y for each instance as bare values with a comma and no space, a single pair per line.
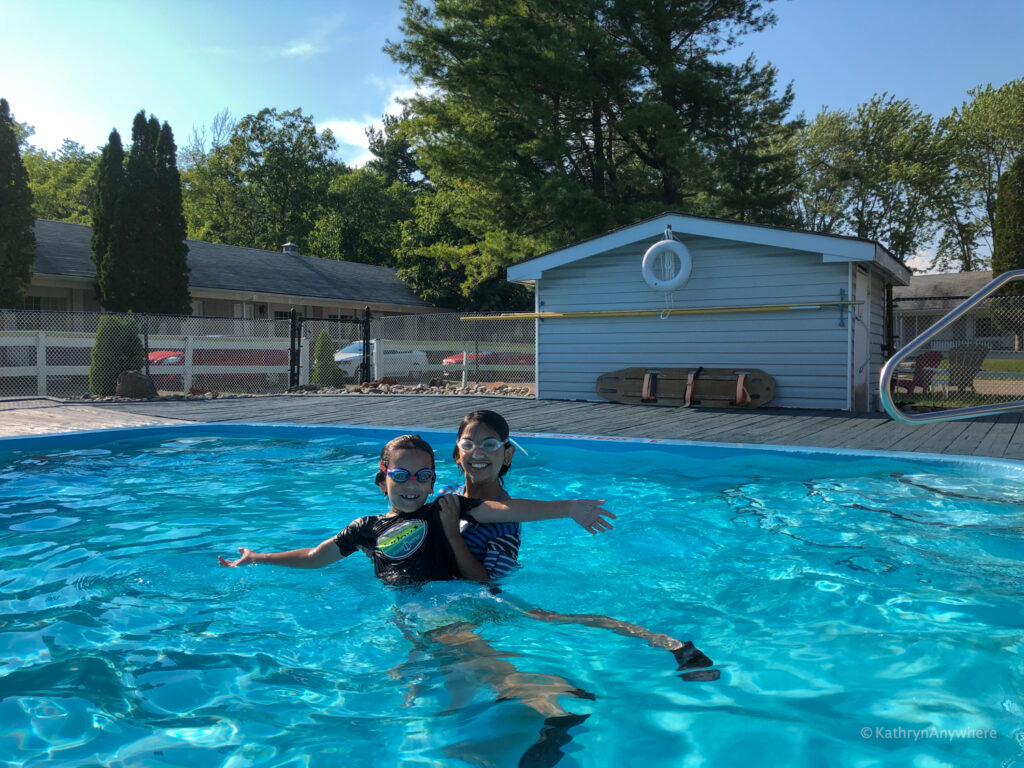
667,265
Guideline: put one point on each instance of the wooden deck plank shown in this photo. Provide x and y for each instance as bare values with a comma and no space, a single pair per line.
1001,437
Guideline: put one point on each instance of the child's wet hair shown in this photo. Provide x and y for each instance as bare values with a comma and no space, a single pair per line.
402,443
493,420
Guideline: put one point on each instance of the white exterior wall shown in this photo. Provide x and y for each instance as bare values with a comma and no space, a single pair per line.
805,350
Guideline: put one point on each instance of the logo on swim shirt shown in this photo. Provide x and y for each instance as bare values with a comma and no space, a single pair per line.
402,539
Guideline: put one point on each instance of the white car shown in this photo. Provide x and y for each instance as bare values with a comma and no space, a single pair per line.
397,363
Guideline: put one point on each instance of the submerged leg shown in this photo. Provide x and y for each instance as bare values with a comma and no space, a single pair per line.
687,656
553,736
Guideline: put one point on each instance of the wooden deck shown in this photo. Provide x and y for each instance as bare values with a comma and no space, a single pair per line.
995,436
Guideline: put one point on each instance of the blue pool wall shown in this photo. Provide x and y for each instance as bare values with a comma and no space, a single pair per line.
11,447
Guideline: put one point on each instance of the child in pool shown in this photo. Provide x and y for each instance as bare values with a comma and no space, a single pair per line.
410,543
489,550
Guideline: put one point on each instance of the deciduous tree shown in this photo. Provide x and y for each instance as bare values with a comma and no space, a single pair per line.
62,182
17,234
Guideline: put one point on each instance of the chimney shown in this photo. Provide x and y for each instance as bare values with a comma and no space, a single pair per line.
290,248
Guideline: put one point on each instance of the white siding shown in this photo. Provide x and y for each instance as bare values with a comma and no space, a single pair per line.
805,350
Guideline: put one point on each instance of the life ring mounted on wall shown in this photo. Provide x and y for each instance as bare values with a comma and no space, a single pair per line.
667,264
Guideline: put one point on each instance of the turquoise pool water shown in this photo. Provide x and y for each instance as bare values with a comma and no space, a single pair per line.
862,610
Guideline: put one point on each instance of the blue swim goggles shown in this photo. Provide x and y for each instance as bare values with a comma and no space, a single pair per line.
400,475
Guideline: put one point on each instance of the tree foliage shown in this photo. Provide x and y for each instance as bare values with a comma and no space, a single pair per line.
982,138
264,185
138,237
874,173
117,348
17,233
545,123
326,372
63,182
1008,242
361,218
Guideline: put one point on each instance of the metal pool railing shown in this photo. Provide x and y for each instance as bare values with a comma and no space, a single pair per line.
954,370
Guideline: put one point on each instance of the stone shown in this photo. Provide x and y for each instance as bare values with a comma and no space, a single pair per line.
136,385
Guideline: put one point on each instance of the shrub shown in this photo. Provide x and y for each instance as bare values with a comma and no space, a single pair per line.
326,372
117,348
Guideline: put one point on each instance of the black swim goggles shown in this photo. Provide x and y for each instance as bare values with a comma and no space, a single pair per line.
400,475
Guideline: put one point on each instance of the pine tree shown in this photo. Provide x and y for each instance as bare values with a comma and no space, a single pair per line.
170,263
133,241
17,236
1008,249
109,181
1008,229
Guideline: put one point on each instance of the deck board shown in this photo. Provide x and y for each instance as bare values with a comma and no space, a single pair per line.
998,437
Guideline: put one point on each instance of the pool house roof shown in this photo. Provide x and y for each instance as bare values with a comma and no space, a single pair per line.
832,248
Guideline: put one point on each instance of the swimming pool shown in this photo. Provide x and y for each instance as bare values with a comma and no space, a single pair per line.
862,609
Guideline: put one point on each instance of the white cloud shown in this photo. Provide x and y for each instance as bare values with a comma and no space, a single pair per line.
300,48
351,134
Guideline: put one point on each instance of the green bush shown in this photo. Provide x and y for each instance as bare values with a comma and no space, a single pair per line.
117,348
326,372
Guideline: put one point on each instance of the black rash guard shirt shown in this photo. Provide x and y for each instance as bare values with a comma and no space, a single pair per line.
408,547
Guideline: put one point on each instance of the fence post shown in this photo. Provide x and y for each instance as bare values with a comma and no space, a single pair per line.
293,347
304,371
186,372
364,374
465,368
41,363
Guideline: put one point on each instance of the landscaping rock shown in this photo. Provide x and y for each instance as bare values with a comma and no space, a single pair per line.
136,385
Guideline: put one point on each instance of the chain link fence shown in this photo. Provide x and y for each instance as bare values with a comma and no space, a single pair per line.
978,360
80,354
458,349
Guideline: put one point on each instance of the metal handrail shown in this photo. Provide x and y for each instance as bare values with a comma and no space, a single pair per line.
952,414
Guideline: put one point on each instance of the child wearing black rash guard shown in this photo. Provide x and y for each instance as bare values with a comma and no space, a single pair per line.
410,544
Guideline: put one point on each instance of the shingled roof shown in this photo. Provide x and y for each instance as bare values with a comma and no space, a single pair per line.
63,249
943,286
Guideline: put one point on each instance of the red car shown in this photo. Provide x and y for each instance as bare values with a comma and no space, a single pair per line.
166,366
518,366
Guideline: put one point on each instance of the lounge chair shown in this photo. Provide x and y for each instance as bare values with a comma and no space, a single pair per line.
925,366
964,363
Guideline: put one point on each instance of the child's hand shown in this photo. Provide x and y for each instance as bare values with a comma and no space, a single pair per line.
590,514
245,559
451,511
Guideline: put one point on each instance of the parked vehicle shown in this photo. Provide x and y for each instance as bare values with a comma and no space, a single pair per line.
519,366
166,366
397,363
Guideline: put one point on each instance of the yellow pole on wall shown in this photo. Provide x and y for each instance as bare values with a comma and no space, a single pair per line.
668,312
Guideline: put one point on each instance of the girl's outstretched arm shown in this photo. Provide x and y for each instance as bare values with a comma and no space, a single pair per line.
325,553
587,512
469,566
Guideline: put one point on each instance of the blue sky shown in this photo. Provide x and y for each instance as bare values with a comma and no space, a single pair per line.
78,69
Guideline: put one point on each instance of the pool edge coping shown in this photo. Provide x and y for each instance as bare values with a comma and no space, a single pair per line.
140,432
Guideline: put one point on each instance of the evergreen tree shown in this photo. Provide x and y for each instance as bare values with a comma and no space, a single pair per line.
133,229
1008,233
17,236
169,288
109,181
1008,248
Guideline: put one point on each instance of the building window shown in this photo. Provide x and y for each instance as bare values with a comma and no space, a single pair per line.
278,315
45,303
983,326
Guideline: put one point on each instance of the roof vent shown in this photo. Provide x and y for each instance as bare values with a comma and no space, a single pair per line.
291,248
